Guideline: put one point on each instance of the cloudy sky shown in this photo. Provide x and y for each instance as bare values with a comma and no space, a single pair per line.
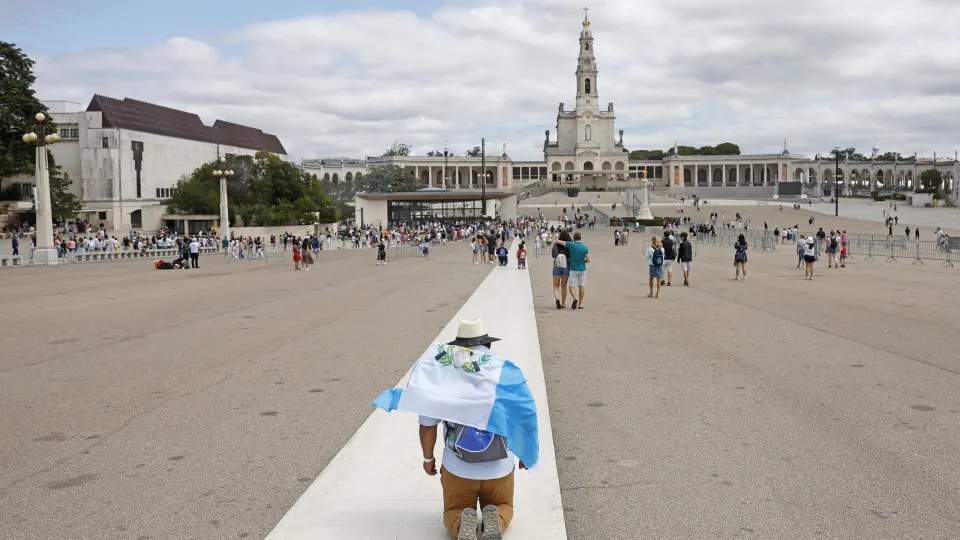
351,77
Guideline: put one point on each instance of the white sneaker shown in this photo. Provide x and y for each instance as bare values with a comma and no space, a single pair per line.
736,278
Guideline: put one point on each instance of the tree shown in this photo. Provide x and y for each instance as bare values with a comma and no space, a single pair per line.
931,180
647,155
264,190
849,153
388,179
398,149
728,149
64,204
474,152
18,105
890,156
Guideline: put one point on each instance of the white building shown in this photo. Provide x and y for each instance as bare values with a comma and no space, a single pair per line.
126,156
589,152
454,172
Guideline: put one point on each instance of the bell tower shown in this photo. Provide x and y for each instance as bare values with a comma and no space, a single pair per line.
587,95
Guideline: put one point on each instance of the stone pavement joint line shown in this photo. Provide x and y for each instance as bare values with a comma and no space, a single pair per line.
375,487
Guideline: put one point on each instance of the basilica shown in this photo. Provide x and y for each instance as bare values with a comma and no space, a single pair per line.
588,152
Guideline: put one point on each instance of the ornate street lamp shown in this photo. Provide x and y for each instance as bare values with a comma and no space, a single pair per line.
836,183
223,175
44,132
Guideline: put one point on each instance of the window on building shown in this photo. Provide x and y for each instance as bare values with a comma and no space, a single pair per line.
64,133
105,142
74,133
158,193
102,216
516,172
588,131
137,147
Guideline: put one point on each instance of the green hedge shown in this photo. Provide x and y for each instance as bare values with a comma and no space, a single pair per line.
888,197
655,222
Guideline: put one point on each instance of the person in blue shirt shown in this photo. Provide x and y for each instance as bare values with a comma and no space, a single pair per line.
579,257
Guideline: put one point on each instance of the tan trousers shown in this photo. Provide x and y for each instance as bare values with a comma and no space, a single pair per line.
460,493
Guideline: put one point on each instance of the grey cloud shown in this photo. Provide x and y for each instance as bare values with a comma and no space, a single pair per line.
817,72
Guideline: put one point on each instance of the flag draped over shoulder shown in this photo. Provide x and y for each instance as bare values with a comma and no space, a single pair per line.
474,388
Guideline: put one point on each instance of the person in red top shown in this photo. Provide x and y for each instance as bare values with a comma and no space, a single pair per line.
296,257
521,256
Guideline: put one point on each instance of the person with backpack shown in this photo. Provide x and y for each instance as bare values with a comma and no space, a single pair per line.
522,256
669,255
685,254
740,257
381,253
832,251
561,270
579,257
809,257
655,262
478,465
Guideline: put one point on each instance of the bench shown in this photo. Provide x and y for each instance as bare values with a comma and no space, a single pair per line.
11,261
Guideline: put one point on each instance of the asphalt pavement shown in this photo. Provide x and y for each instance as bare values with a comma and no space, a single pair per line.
768,408
141,404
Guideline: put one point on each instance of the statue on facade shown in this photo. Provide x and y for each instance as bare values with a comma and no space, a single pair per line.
561,107
546,134
621,137
610,107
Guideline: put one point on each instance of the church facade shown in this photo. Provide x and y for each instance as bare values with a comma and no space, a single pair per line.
586,148
588,151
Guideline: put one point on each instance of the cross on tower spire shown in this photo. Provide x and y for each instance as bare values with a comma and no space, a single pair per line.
585,12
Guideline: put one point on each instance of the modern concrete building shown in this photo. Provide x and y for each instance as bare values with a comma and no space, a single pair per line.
433,204
126,156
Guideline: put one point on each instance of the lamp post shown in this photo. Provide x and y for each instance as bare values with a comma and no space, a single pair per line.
836,183
483,177
223,174
44,132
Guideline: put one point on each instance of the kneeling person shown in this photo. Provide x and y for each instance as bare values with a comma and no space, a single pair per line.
484,475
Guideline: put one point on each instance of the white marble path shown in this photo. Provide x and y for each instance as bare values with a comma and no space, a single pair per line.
375,488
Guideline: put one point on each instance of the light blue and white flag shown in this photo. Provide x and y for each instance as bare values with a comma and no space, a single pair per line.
474,388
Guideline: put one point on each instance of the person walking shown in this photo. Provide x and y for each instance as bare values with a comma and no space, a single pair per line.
655,264
832,247
809,257
685,254
16,246
561,271
801,246
740,257
579,257
194,253
669,255
296,256
225,244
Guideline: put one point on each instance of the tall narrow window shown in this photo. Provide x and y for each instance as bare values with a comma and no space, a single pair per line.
588,133
586,86
137,148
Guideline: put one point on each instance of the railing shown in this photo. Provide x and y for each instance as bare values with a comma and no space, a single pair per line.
872,247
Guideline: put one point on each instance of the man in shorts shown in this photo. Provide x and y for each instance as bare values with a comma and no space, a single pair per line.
685,254
579,257
669,255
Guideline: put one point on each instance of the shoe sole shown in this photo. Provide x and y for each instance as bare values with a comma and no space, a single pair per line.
491,524
468,525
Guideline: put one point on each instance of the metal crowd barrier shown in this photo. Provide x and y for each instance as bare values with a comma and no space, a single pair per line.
893,248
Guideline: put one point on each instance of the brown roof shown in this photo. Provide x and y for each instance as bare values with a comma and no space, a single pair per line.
149,118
